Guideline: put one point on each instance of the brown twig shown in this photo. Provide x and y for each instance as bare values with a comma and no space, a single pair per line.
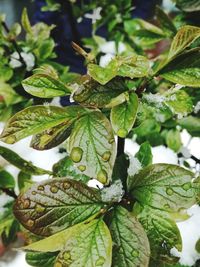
9,192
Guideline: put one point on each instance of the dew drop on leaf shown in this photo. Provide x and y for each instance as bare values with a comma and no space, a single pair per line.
67,255
58,264
100,261
82,168
40,188
76,154
186,186
10,139
30,223
26,203
135,253
169,191
66,185
106,155
102,176
39,208
111,141
34,193
54,189
122,133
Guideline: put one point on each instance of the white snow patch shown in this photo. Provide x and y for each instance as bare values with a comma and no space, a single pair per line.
28,58
134,166
113,193
104,60
110,48
95,15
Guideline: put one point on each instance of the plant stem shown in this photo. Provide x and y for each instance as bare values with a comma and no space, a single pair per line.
14,44
120,146
9,192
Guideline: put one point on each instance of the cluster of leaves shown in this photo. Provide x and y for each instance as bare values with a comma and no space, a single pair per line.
132,220
18,56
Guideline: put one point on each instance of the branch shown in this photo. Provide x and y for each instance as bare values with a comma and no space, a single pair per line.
120,146
14,44
9,192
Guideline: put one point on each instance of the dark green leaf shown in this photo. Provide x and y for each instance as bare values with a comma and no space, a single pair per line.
149,126
164,186
20,163
90,246
188,6
165,22
197,246
65,168
184,69
44,86
37,119
23,179
92,146
144,155
191,124
56,204
41,259
6,179
123,116
173,140
131,245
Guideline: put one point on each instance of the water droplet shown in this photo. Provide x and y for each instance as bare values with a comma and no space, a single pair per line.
167,206
33,192
186,186
66,255
100,261
26,203
25,164
10,139
122,133
40,188
111,141
102,176
66,185
135,253
76,154
169,191
82,168
30,223
106,155
54,189
39,208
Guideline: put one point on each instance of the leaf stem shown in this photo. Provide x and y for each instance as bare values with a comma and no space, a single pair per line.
9,192
14,43
120,146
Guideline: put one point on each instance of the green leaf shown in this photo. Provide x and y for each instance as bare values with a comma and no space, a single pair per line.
147,127
165,22
51,137
130,242
36,119
45,50
173,139
188,6
147,38
65,168
191,124
23,179
184,38
6,180
8,94
144,155
6,74
45,86
92,146
92,94
93,242
56,204
179,102
123,116
25,21
162,232
134,66
41,259
20,163
197,246
184,69
165,187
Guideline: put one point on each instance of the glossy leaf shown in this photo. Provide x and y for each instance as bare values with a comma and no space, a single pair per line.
26,22
173,140
165,22
184,38
144,155
20,163
41,259
65,168
130,242
44,86
92,146
184,70
164,186
93,242
191,124
131,66
188,6
56,204
51,137
162,232
37,119
123,116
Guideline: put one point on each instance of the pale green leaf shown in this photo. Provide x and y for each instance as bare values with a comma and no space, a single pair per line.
25,21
